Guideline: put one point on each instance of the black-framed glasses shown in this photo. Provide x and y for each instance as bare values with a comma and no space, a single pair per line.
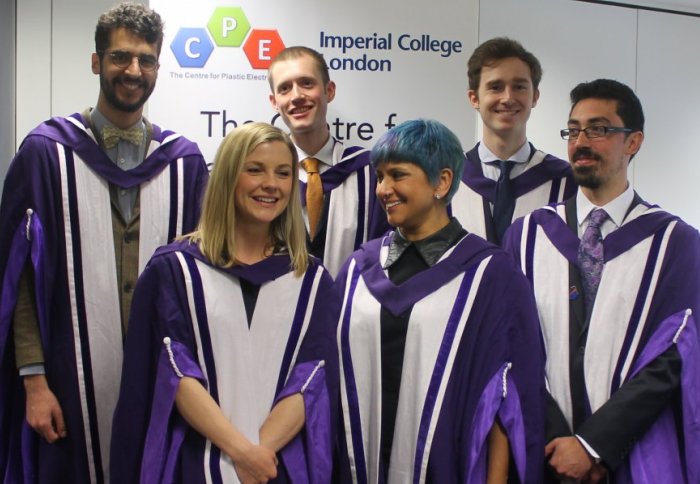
122,59
592,132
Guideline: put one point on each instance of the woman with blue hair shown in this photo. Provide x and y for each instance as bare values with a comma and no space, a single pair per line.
441,359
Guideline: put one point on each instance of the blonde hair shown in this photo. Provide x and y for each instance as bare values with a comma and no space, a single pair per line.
215,232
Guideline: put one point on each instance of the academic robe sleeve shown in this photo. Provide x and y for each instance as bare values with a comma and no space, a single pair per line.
31,233
308,457
146,432
505,380
613,429
664,453
521,389
196,178
17,441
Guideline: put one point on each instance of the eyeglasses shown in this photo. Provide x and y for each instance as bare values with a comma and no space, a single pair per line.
123,58
592,132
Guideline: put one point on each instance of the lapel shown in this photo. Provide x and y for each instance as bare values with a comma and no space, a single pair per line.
579,324
577,309
578,331
482,185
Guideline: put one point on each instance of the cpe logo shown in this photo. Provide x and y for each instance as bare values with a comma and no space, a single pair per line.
227,27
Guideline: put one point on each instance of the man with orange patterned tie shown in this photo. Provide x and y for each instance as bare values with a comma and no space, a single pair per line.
337,182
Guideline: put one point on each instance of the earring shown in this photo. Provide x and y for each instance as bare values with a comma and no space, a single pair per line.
437,196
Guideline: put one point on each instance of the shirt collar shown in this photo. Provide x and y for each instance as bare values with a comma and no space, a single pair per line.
615,208
522,155
431,248
324,155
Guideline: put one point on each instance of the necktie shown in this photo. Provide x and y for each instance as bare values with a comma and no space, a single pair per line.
505,201
111,136
590,256
314,194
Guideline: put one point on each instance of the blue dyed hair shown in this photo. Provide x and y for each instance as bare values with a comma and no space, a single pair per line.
426,143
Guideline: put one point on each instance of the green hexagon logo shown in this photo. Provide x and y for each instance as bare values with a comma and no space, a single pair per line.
228,26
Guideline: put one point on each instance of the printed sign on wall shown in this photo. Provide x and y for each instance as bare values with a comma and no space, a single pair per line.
388,68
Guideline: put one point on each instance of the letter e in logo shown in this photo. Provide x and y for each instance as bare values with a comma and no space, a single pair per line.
261,47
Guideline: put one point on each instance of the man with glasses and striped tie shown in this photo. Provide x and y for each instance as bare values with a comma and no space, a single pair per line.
86,201
617,284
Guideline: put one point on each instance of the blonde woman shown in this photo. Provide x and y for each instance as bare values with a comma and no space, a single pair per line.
230,355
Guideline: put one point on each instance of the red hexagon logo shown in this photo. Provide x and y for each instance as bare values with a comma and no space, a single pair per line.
262,46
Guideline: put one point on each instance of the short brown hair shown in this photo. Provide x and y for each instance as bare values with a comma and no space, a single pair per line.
295,52
497,49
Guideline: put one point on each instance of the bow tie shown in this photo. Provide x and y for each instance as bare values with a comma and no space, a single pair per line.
111,136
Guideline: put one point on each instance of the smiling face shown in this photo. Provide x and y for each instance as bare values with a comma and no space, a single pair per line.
408,198
505,98
264,185
300,97
124,90
600,164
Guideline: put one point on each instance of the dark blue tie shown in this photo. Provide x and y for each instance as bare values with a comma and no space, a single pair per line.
505,200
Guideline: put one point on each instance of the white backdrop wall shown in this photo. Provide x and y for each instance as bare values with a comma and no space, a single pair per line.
575,41
7,84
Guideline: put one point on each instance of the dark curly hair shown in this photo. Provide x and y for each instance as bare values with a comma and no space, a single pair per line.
136,18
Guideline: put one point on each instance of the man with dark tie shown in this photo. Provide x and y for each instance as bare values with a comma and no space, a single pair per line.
86,201
504,176
617,285
337,182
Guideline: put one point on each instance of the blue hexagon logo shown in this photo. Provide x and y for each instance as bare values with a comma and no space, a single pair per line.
192,47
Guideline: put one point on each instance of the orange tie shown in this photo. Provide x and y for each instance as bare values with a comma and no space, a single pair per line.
314,194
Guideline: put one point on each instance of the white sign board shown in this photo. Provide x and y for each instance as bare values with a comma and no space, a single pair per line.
388,67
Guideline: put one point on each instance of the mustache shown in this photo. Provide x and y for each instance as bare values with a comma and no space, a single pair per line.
585,152
127,78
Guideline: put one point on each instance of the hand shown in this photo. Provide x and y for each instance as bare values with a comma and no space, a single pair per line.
44,413
597,474
569,459
257,465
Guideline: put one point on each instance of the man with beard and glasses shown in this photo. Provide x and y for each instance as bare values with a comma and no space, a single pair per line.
87,200
617,285
505,176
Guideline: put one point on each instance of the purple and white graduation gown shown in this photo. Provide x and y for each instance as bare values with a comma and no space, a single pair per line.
189,319
473,353
547,179
352,214
56,213
646,303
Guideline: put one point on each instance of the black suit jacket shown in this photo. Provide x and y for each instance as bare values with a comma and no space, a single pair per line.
614,428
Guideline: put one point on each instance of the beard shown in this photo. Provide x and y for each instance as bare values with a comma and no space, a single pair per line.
109,90
586,176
